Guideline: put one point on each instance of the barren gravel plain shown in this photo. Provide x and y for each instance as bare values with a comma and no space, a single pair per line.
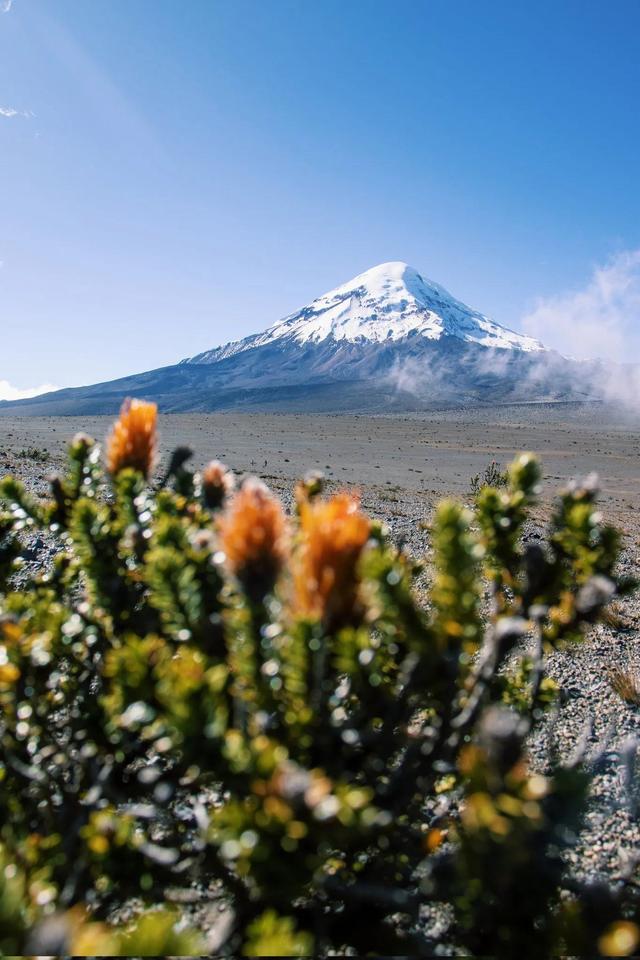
403,465
422,455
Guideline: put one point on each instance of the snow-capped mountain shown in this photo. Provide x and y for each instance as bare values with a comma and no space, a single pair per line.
387,341
386,303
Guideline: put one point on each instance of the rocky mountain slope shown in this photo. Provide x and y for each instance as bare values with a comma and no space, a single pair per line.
388,340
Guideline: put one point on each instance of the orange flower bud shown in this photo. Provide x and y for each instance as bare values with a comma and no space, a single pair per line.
254,537
132,441
217,483
326,578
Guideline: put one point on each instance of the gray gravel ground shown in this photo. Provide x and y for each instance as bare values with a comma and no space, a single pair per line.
593,717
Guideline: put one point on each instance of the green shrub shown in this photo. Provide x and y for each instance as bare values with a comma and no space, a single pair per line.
34,453
200,691
491,476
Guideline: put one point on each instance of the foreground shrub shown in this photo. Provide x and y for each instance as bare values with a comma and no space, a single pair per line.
203,695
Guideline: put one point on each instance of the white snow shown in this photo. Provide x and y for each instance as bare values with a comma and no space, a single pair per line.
387,302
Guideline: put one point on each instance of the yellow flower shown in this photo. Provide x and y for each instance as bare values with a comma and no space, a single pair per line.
9,673
620,939
326,579
254,538
132,441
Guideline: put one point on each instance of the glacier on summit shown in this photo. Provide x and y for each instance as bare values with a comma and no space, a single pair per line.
386,303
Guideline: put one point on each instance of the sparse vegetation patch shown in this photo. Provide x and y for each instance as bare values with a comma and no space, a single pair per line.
491,476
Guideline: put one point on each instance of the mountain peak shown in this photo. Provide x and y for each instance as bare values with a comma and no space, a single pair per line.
388,302
391,270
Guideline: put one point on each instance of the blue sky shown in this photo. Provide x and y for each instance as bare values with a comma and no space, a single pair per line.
178,173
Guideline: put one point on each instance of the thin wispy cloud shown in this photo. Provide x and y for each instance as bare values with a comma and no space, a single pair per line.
9,392
12,112
598,321
6,6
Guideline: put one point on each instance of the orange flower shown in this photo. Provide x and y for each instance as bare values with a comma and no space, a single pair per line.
132,441
326,578
217,484
254,537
